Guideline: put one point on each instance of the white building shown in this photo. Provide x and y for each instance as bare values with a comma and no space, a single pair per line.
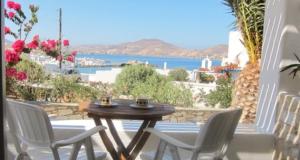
206,63
237,53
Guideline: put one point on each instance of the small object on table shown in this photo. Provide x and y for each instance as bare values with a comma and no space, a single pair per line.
142,101
105,100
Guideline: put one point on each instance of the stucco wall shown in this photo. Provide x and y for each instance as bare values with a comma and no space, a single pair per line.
67,111
281,41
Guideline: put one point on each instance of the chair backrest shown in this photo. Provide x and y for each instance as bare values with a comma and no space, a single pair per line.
30,124
218,131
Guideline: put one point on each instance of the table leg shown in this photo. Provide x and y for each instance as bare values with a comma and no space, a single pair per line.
108,144
143,137
137,136
114,133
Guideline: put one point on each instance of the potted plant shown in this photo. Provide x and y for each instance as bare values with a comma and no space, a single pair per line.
293,67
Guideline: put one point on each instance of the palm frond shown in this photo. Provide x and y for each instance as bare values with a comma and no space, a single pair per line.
297,57
289,67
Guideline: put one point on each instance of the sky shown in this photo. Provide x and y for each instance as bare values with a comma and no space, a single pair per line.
193,24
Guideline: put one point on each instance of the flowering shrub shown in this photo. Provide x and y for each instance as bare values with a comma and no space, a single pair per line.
20,45
13,54
227,68
52,48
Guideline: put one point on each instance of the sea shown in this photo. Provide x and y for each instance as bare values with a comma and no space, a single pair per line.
156,61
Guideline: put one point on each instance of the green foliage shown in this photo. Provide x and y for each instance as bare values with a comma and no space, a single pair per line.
143,81
67,89
132,75
179,74
206,78
294,67
222,94
36,75
35,72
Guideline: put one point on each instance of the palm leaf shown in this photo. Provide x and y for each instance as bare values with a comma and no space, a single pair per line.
297,57
289,67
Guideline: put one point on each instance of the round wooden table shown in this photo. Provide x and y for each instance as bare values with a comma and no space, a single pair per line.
124,111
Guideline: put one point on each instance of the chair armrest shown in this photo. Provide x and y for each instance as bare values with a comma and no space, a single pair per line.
170,139
78,138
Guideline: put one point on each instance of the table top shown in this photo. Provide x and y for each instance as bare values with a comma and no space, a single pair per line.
124,111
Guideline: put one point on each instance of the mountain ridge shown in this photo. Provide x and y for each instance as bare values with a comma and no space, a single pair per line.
154,47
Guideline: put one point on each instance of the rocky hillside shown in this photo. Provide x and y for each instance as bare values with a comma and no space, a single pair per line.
154,47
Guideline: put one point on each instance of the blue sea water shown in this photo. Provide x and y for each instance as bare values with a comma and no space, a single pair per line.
158,62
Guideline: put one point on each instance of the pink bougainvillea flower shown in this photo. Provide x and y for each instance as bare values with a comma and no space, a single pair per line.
66,42
10,4
33,44
59,58
6,30
21,76
70,58
12,56
74,53
52,44
36,38
10,72
11,15
49,45
17,6
18,46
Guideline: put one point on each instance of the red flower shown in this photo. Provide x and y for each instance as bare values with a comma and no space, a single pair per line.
66,42
74,53
48,45
17,6
12,56
11,15
59,58
6,30
36,38
10,4
18,46
10,72
21,76
51,44
70,58
33,44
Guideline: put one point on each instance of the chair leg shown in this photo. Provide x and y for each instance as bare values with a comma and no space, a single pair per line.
174,152
89,149
55,153
23,156
160,150
75,150
195,156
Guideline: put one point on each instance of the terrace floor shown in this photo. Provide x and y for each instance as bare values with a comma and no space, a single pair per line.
248,143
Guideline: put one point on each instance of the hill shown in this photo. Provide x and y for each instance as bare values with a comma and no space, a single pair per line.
154,47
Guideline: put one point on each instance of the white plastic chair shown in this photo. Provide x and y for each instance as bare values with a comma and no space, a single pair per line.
211,143
31,127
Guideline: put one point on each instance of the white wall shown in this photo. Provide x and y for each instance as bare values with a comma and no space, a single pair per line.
236,51
281,40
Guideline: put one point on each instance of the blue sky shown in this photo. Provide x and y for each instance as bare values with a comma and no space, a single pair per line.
186,23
